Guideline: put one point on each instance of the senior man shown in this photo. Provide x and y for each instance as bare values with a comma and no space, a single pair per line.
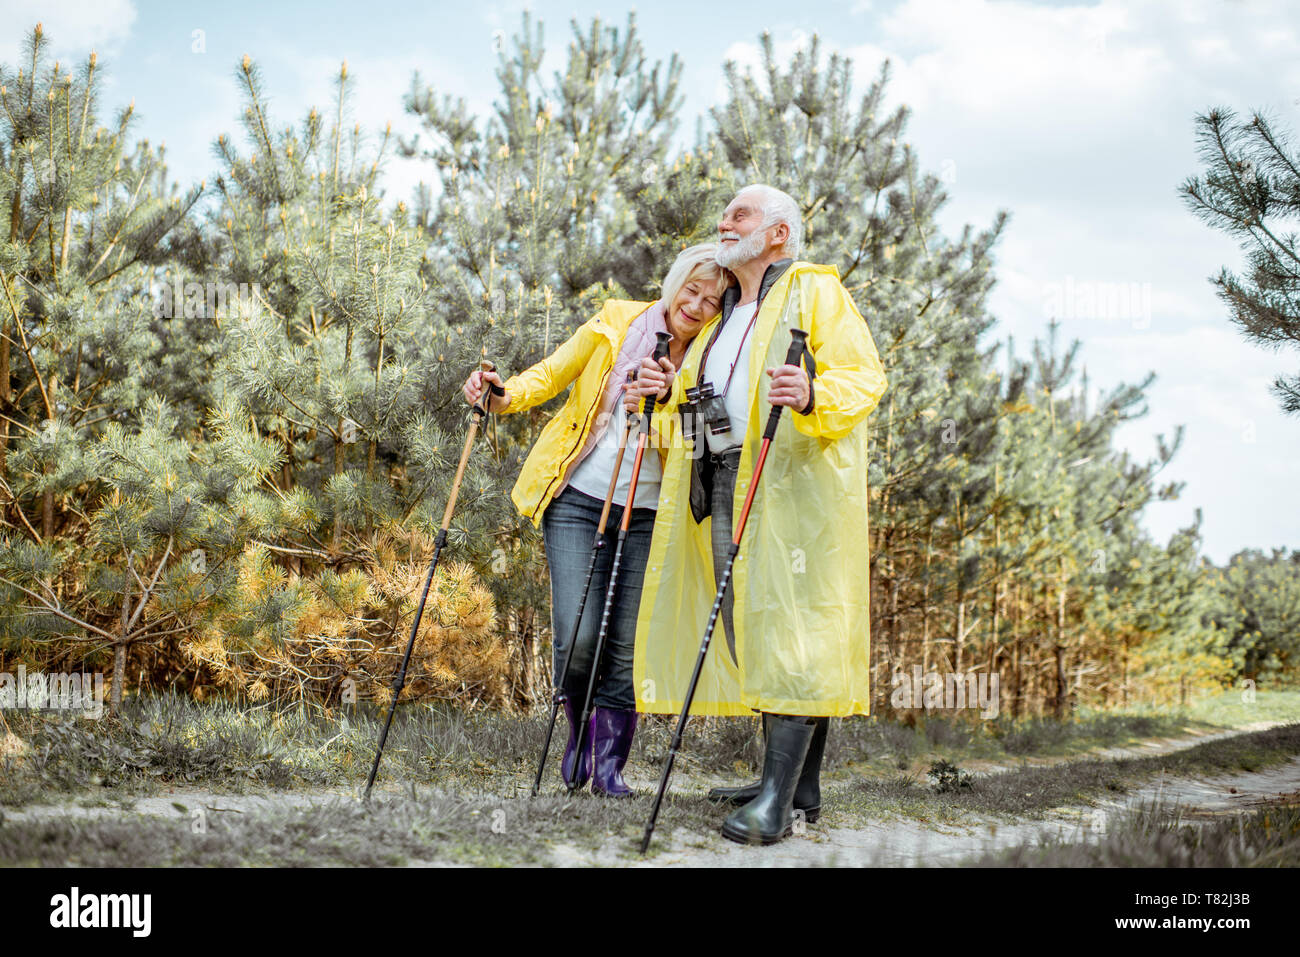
796,617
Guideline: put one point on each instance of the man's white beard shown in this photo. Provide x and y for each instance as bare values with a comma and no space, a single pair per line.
740,252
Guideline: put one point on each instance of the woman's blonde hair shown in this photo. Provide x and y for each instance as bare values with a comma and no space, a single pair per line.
690,262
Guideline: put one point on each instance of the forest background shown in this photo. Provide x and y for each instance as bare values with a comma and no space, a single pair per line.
231,410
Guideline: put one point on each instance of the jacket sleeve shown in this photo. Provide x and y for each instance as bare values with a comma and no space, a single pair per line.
548,378
850,379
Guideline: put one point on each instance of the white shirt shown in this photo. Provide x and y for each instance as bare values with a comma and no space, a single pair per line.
729,351
593,472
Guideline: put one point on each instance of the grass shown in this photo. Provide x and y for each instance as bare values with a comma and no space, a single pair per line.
1000,738
167,740
453,787
413,828
158,740
1032,790
1235,709
1162,836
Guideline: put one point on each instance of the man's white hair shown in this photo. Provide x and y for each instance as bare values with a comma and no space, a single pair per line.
779,207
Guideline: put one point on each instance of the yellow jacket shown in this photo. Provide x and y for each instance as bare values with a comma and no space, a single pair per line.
801,577
587,357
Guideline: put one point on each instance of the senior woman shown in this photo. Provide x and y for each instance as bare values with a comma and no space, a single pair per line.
563,484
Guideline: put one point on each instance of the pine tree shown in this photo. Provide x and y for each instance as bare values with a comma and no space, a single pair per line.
1251,190
1255,611
87,218
331,400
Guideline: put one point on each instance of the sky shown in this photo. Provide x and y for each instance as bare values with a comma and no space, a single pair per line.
1076,118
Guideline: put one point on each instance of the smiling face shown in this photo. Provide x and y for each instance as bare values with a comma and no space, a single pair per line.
741,236
698,301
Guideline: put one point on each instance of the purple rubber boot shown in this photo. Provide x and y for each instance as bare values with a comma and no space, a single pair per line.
584,766
613,742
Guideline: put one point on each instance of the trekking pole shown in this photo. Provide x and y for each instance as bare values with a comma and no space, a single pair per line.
557,695
792,357
647,408
479,413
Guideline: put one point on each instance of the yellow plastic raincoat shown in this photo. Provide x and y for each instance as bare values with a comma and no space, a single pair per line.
587,357
801,577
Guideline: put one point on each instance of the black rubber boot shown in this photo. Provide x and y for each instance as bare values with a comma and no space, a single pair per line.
746,792
769,817
808,793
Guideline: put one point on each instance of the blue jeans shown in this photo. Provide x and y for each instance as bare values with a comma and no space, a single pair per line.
569,533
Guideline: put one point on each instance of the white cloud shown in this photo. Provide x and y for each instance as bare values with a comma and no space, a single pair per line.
74,26
996,57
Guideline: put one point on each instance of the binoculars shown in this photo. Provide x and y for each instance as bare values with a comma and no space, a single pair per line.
702,403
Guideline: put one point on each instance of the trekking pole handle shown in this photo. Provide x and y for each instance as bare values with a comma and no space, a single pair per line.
661,351
798,344
481,406
633,418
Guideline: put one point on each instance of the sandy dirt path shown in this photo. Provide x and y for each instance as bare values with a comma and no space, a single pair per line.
903,842
907,843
